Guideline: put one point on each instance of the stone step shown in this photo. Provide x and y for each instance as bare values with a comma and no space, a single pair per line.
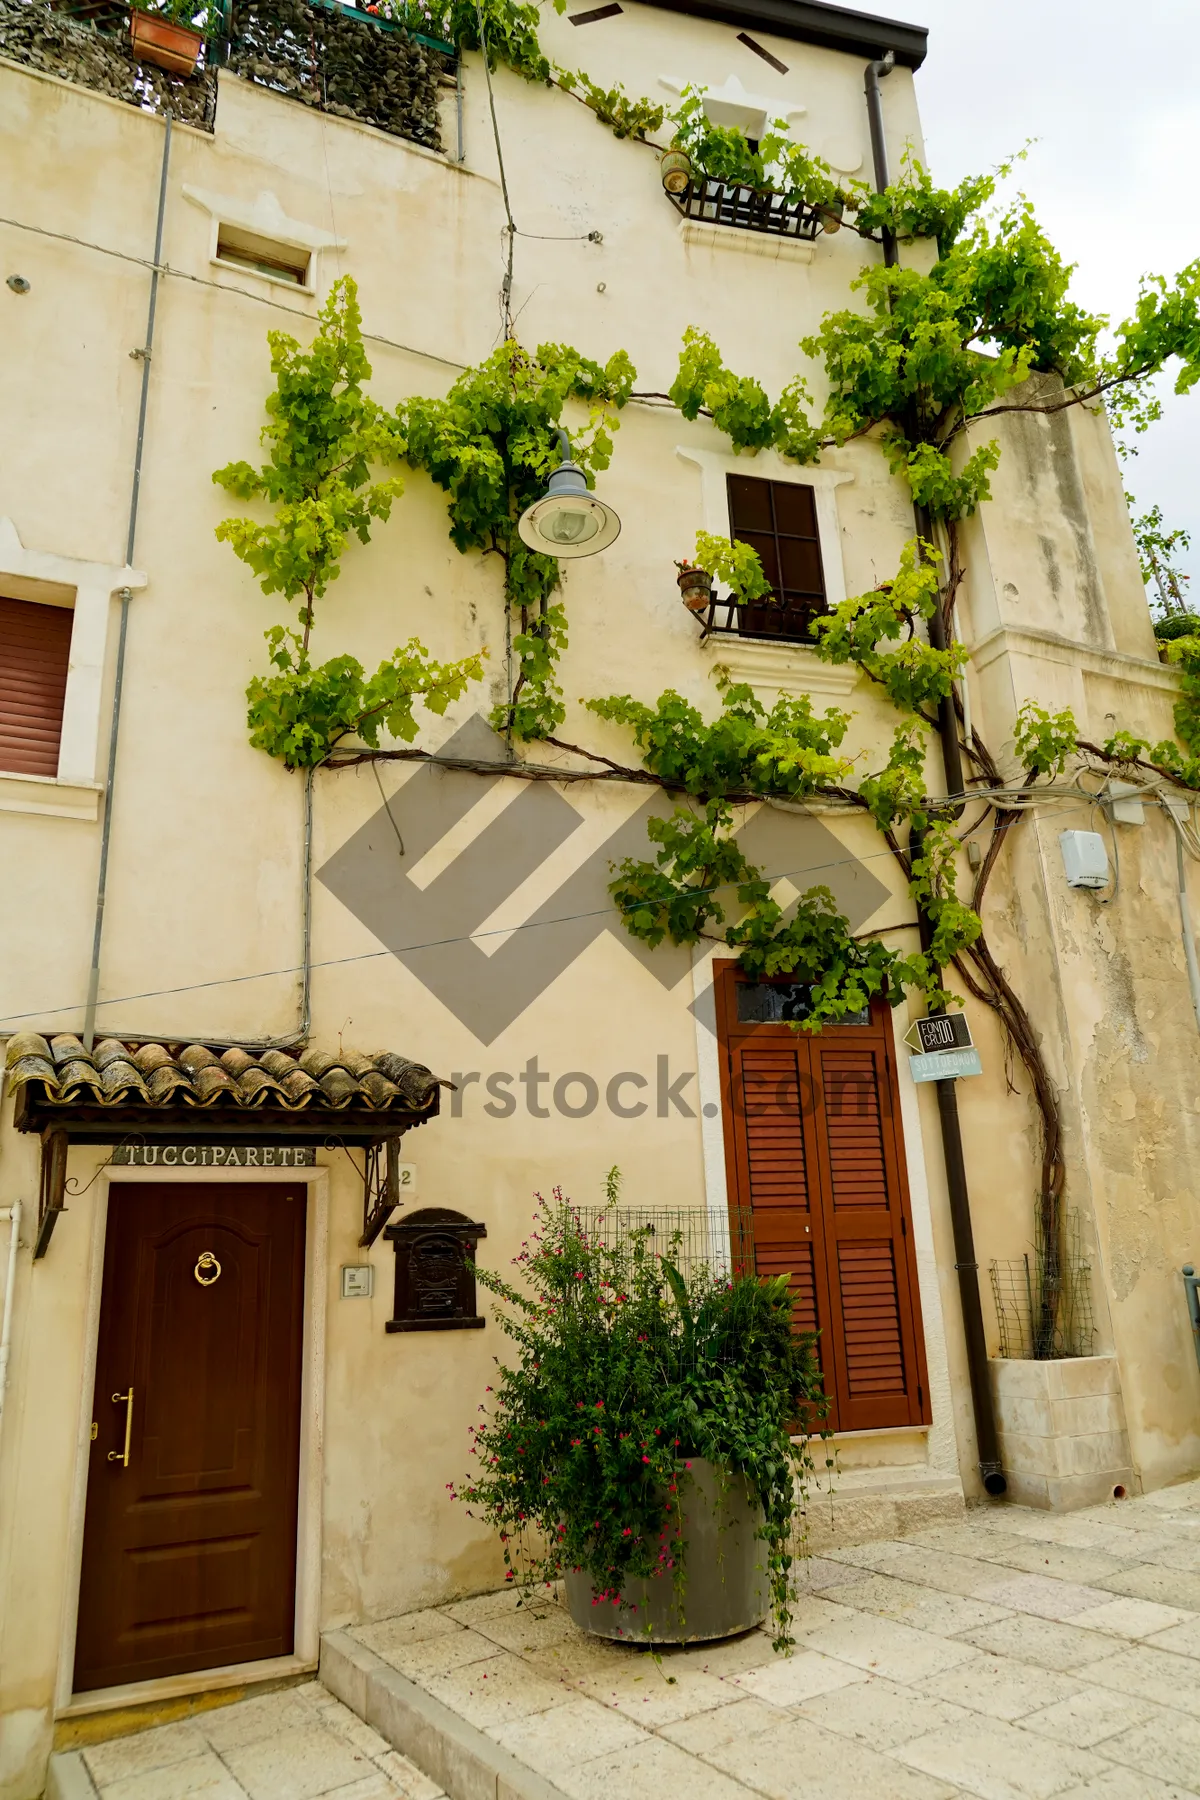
462,1760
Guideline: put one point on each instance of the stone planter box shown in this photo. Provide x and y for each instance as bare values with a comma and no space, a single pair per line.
1063,1439
726,1586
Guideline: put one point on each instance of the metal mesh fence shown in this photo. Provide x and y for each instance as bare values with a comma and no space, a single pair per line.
1019,1289
719,1239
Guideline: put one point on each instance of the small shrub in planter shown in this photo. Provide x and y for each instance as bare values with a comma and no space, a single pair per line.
628,1371
1176,625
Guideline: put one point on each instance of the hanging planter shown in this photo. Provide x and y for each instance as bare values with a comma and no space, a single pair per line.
164,42
675,168
695,586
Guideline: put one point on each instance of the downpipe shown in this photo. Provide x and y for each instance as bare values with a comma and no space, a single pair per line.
146,354
300,1035
13,1215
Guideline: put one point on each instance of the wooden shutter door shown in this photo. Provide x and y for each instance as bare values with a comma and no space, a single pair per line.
768,1088
35,648
813,1149
877,1358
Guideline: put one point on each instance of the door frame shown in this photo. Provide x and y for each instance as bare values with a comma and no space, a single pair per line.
312,1436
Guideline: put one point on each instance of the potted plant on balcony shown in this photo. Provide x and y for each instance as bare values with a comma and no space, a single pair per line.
738,566
169,34
644,1444
695,585
1174,625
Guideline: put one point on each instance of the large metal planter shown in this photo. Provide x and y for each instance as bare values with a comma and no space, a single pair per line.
725,1578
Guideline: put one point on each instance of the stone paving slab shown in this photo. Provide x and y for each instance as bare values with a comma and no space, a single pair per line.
298,1744
1013,1655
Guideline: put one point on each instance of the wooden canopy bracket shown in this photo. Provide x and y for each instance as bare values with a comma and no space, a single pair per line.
53,1188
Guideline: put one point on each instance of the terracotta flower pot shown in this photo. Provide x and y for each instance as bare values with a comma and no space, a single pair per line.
695,585
725,1580
163,42
675,169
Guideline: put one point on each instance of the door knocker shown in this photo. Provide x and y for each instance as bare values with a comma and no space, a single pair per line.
207,1268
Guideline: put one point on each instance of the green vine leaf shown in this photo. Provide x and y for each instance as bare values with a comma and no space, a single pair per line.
323,435
301,713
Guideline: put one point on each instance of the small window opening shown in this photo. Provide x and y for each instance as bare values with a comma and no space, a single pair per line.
282,262
779,520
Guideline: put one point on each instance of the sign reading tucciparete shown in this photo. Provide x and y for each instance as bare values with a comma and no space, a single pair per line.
215,1156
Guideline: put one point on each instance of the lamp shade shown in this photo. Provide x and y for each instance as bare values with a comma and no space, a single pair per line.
568,520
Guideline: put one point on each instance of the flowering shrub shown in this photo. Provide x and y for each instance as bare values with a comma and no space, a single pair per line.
627,1370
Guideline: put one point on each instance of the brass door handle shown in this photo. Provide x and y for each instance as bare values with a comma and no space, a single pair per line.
122,1456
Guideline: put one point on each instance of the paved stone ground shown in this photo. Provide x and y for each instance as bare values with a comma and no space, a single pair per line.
1017,1656
298,1744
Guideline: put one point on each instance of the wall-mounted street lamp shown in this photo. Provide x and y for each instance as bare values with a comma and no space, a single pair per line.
568,520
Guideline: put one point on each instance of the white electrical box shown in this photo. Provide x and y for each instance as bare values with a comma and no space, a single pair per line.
1085,859
1123,801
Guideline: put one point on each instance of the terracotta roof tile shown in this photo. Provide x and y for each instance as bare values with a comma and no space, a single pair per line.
62,1073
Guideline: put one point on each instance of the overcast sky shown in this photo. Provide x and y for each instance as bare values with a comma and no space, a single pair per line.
1110,92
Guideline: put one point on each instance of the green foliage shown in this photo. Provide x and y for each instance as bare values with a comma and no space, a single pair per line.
736,564
739,404
898,790
724,153
1176,625
1043,740
914,676
510,28
1185,653
933,861
1157,551
909,358
931,478
301,713
913,208
788,751
323,435
625,116
490,444
1164,327
1009,286
844,973
627,1369
676,896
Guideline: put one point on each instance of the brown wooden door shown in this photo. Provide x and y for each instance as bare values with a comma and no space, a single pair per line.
189,1552
814,1149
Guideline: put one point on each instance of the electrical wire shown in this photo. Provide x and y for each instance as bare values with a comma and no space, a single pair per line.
431,944
223,287
511,228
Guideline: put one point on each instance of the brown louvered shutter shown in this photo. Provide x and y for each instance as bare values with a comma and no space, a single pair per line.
813,1148
35,648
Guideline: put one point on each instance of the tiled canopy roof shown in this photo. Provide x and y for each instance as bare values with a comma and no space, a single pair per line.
62,1073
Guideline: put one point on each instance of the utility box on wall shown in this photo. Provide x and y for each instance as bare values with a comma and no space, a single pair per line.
1085,860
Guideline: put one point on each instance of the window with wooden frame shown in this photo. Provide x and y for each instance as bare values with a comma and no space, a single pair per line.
779,520
813,1147
35,651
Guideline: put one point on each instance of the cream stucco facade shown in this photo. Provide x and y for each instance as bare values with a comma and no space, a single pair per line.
202,936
